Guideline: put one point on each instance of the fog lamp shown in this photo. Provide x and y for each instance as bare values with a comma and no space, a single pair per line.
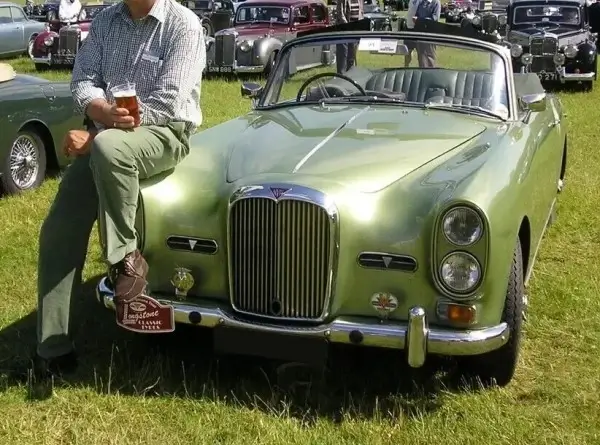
559,59
526,59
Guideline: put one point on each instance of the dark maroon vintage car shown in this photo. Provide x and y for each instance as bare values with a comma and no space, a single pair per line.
259,30
58,46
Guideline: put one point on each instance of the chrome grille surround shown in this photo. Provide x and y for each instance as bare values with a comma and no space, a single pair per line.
225,46
306,218
543,45
68,40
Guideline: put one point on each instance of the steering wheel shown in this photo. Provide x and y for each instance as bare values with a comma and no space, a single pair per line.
321,75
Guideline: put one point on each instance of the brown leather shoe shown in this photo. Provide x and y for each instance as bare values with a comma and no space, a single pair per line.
128,277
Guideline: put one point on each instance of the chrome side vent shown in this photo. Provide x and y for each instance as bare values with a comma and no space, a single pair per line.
386,261
194,245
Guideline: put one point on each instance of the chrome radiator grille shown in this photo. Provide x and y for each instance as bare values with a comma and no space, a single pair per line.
489,23
543,46
68,41
280,258
225,50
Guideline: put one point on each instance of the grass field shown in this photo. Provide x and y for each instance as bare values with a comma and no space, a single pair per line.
130,391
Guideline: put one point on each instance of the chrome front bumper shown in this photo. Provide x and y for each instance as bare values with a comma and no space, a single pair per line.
42,60
414,336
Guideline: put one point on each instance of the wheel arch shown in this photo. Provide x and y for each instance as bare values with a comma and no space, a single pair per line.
44,133
525,241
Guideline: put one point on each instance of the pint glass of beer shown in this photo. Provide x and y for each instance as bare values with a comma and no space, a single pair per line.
125,97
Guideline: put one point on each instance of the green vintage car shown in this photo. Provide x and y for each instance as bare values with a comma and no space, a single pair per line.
391,206
36,113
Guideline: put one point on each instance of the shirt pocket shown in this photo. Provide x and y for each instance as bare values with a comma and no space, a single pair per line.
149,70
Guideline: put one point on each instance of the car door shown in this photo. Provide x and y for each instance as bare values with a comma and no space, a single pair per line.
9,35
20,21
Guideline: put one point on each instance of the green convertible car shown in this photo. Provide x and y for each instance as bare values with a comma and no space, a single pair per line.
391,206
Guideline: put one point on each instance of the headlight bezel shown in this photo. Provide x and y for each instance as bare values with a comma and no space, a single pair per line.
516,51
48,40
458,294
442,247
568,51
476,20
246,46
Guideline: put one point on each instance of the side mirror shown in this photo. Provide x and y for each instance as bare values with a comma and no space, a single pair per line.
533,102
251,90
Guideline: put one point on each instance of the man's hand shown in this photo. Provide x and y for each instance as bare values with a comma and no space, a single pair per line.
78,142
109,115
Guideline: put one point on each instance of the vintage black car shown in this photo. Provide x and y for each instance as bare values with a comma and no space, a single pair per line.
215,15
457,10
44,12
490,17
553,39
380,20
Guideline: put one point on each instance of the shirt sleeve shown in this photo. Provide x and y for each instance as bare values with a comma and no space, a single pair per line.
412,10
436,11
181,70
87,82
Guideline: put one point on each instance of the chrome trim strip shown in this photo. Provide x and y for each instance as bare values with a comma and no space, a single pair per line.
415,335
299,193
208,240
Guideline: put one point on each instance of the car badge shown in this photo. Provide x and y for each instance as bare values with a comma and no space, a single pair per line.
384,303
183,281
278,192
192,243
386,261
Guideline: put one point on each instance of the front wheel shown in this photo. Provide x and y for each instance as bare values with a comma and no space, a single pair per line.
25,166
498,367
30,46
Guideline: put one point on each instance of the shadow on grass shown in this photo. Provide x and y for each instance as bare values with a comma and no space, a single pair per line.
357,381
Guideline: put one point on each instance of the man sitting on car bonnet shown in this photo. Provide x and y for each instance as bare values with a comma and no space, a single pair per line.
158,45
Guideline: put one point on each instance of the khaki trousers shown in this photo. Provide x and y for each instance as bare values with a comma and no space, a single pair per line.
106,181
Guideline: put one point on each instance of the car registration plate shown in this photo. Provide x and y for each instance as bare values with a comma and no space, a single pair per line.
273,346
220,69
546,76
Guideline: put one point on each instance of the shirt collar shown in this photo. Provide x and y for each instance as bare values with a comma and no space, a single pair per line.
157,11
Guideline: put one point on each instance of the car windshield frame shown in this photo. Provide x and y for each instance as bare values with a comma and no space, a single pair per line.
539,19
276,80
243,6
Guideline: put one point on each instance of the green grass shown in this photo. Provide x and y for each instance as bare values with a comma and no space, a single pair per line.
131,391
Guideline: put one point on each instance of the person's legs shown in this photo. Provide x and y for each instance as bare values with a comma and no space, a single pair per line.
426,55
351,60
341,50
63,245
119,159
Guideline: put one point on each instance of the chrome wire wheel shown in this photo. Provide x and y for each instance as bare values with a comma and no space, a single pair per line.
24,161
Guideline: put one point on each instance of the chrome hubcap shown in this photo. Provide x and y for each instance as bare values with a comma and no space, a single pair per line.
24,162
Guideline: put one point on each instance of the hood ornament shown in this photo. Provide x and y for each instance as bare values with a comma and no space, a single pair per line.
183,281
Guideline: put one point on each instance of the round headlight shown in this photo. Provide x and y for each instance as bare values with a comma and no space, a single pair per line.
476,20
502,20
516,50
462,226
559,59
460,272
571,51
246,46
48,41
526,59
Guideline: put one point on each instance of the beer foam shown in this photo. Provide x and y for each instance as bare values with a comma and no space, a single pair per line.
126,93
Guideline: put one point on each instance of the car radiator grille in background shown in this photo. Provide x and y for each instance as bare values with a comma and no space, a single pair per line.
543,64
280,255
225,50
489,23
69,41
541,46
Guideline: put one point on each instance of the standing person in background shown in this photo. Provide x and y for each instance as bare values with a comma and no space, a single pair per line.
411,45
347,11
68,10
427,10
